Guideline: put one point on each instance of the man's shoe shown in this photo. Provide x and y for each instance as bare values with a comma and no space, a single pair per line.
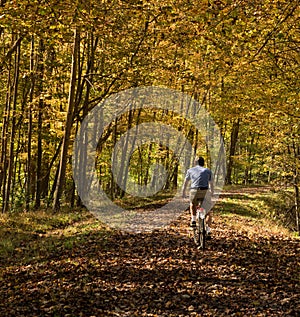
208,236
193,224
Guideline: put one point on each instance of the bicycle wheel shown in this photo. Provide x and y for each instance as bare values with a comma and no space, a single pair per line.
201,233
196,235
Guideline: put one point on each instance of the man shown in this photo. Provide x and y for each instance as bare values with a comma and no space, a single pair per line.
201,181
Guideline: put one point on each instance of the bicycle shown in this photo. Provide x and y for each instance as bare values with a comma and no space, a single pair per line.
199,231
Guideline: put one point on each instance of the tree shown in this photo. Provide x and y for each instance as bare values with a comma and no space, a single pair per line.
69,122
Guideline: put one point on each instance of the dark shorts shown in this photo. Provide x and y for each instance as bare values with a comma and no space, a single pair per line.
201,196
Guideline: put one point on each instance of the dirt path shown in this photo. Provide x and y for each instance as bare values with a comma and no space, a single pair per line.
245,271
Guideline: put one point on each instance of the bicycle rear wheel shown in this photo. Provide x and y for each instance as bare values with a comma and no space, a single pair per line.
196,235
201,234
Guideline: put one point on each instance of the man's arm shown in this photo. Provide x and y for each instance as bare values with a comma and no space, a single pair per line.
185,184
211,184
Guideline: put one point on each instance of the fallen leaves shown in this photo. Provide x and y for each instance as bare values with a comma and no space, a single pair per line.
157,274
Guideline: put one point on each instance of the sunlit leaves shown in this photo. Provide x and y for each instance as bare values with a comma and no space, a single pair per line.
240,59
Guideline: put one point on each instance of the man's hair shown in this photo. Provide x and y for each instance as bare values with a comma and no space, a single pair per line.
201,161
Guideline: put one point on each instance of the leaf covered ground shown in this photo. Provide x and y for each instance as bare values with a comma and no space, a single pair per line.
79,268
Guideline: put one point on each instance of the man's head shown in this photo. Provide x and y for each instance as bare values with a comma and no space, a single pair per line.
200,161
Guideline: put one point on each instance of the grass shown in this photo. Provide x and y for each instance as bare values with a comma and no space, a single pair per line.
263,208
31,235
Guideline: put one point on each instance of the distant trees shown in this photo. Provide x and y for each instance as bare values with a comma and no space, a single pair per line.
240,60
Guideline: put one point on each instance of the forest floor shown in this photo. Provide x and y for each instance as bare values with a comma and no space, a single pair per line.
71,265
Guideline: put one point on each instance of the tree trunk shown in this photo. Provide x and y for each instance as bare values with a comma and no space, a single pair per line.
122,176
39,175
29,116
250,155
296,190
296,154
88,80
10,167
233,142
4,134
69,122
113,187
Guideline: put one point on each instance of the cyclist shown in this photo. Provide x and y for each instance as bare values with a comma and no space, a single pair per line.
200,178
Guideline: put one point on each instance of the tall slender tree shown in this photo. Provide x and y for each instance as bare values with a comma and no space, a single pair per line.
69,122
11,157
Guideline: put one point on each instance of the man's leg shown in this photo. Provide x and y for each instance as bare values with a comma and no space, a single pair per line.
209,221
193,207
208,224
193,213
207,205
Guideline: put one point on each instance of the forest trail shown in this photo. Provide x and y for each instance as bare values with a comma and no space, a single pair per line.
250,268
